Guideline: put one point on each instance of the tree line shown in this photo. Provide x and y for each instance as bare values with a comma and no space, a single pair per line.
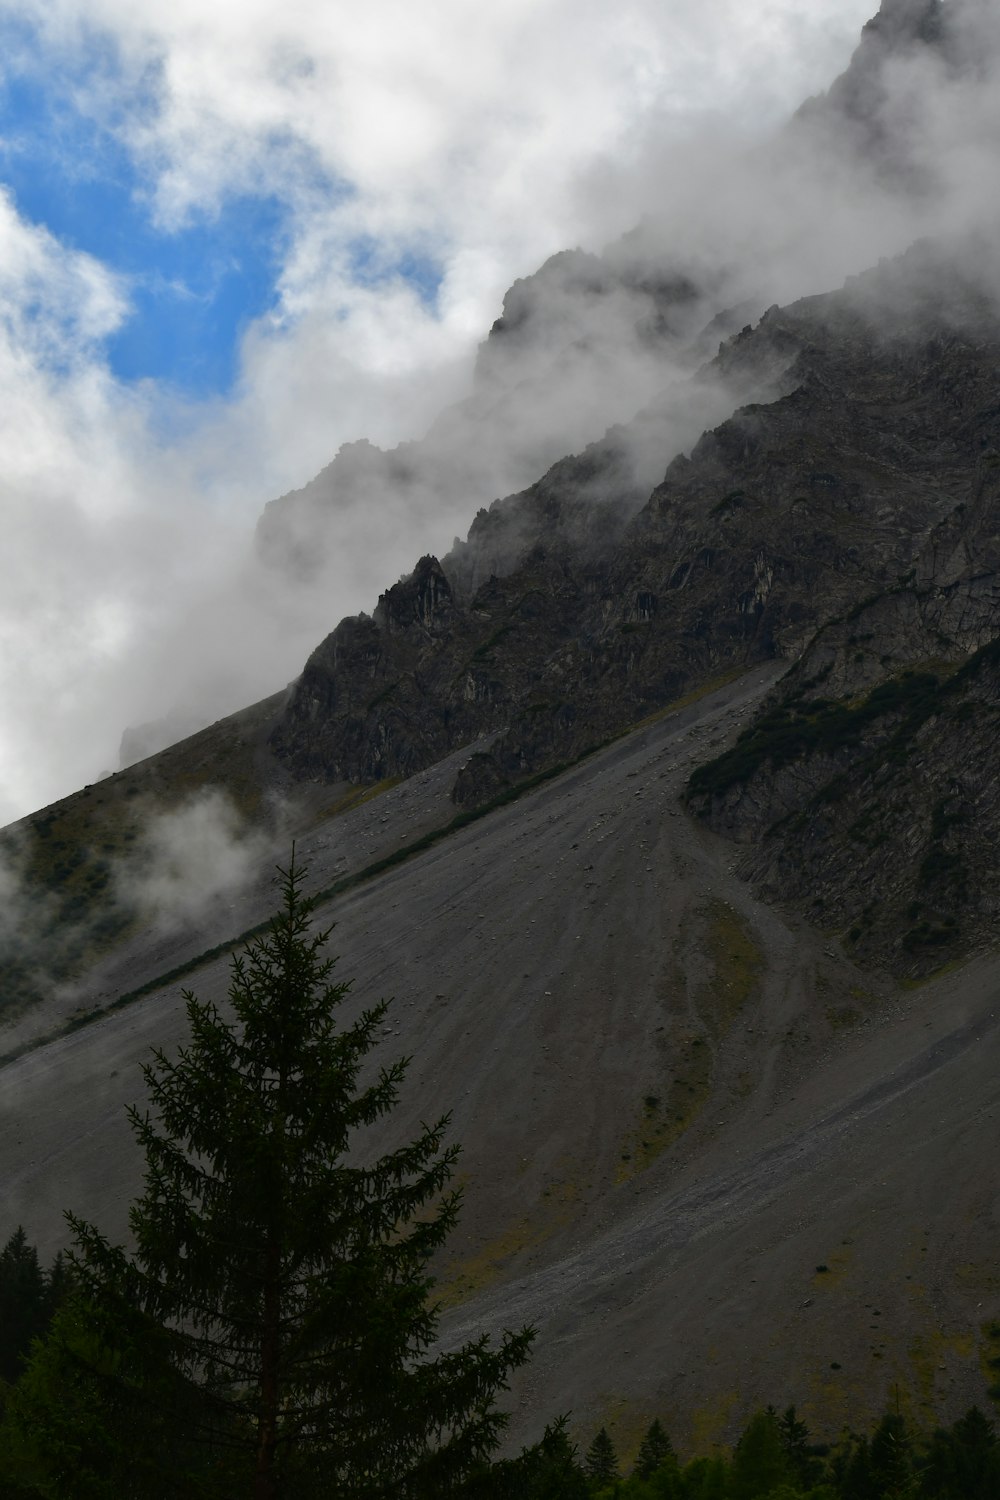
272,1333
776,1459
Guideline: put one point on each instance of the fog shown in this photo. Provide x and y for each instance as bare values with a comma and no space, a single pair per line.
178,872
189,858
132,585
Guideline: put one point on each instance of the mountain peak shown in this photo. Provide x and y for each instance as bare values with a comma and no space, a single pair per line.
907,20
900,27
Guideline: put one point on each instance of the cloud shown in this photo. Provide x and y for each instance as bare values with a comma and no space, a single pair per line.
472,142
55,304
61,905
16,908
190,858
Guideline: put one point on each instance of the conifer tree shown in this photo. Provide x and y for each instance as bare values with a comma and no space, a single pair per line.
891,1459
963,1461
655,1450
274,1314
759,1461
706,1479
794,1435
58,1286
550,1470
601,1462
24,1308
858,1481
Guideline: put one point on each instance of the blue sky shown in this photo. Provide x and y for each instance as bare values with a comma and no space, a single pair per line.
72,111
193,286
193,289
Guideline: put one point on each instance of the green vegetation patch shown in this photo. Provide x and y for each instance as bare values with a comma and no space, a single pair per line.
65,855
327,893
738,965
484,651
69,915
665,1116
831,1273
357,796
799,727
933,1356
464,1276
990,1358
672,1105
721,680
802,726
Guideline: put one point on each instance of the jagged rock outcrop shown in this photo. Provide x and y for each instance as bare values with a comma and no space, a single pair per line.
584,343
879,817
867,791
588,340
860,96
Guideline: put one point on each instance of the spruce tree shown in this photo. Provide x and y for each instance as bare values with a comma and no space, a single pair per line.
550,1470
58,1286
794,1436
23,1302
892,1459
759,1461
655,1450
963,1461
601,1462
274,1313
858,1481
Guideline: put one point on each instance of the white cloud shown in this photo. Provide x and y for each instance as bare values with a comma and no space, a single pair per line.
195,855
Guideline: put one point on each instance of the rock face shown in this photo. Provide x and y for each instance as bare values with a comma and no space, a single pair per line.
859,96
880,818
868,793
570,614
850,526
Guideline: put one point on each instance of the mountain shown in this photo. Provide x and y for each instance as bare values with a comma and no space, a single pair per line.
665,804
591,614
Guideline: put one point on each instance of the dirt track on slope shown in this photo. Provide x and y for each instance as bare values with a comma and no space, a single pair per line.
556,967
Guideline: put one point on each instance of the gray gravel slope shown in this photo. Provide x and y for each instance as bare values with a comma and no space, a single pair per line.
557,966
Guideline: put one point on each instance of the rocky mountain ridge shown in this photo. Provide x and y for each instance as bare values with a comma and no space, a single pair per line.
792,512
863,427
